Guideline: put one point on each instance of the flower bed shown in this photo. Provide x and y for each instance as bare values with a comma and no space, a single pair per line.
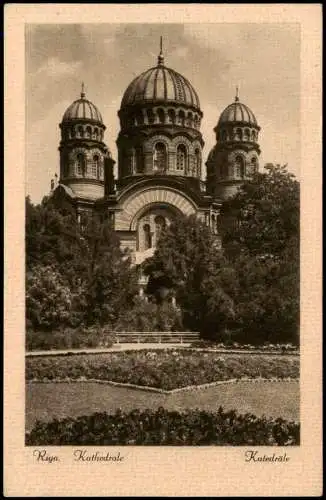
209,344
163,369
163,427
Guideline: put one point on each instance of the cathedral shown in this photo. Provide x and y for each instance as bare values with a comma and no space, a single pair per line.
160,158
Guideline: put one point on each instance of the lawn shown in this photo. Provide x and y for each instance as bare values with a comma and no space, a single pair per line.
57,400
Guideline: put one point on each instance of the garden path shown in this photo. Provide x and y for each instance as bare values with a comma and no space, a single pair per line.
141,346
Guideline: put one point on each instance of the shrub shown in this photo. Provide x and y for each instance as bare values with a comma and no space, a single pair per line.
48,298
163,427
69,338
150,317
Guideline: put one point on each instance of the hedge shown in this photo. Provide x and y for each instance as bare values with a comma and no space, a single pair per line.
163,427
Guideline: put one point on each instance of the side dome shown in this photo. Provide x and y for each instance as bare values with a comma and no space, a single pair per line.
82,109
160,85
238,112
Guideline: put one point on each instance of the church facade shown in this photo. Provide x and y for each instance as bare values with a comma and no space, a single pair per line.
160,159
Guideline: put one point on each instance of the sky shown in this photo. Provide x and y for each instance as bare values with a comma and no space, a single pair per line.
263,60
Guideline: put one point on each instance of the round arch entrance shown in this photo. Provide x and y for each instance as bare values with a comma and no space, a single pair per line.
150,222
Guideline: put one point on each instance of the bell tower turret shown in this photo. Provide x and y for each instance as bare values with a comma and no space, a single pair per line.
236,154
82,150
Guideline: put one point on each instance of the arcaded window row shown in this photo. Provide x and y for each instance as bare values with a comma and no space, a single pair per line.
162,116
85,167
83,132
184,162
239,169
237,134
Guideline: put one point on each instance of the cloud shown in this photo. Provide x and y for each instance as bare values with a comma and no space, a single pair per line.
181,52
263,59
54,68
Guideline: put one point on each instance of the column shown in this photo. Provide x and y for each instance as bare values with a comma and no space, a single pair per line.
148,162
172,161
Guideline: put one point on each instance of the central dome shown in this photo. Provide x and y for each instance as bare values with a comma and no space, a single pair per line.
159,85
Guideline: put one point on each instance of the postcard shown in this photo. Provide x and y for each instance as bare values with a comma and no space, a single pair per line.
163,250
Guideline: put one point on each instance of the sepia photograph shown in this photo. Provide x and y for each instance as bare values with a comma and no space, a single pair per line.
162,234
163,266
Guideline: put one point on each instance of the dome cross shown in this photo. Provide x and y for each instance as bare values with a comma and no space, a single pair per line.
160,59
236,94
82,94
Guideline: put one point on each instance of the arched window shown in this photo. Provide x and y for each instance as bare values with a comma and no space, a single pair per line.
131,167
80,131
213,223
198,162
238,134
224,135
81,164
147,237
160,224
239,167
161,115
95,166
181,157
181,118
95,134
150,116
189,119
88,132
171,116
247,134
140,118
253,135
252,167
100,171
83,220
160,157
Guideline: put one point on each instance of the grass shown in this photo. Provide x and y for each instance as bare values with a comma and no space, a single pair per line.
48,401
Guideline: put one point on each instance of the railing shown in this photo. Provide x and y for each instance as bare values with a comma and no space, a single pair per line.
156,337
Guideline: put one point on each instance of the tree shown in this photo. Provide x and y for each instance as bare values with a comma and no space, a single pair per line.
249,289
261,232
109,284
189,262
267,300
50,234
87,259
48,298
264,215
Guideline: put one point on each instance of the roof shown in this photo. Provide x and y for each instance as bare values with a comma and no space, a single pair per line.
82,109
237,112
160,84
